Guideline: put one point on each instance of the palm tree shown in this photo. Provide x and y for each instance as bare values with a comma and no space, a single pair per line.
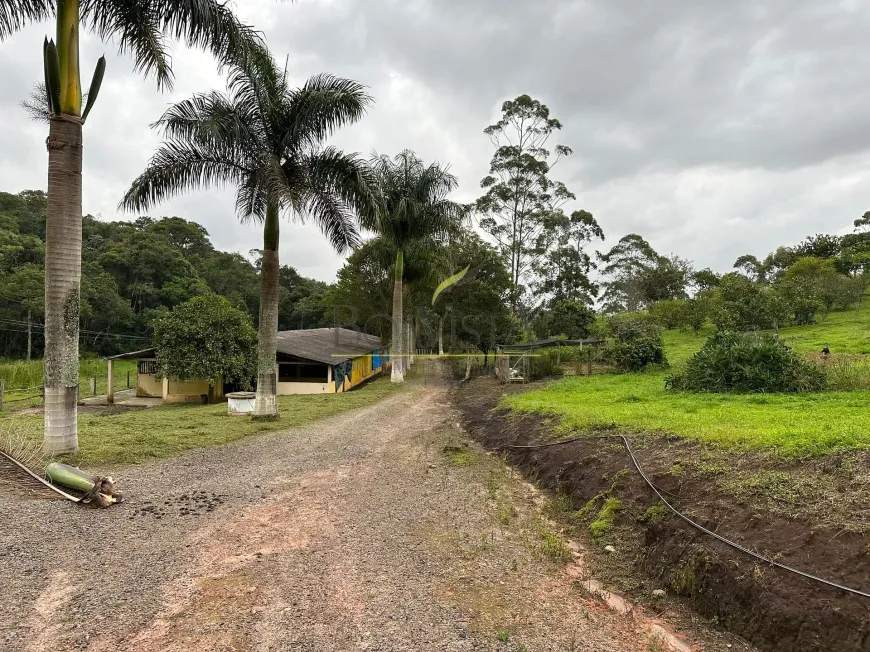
141,27
413,213
267,140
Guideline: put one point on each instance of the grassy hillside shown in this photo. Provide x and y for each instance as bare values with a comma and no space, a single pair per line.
795,424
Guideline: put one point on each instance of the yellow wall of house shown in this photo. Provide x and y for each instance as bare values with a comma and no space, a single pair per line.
360,372
191,391
287,389
149,385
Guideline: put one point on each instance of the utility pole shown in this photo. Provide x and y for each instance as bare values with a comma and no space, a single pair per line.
29,337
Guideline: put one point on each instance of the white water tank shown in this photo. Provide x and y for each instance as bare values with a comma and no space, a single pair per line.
241,403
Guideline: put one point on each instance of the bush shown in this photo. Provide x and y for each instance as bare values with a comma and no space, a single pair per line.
670,313
733,362
638,342
741,305
542,364
206,338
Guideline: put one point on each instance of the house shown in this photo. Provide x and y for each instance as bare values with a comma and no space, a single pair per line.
327,360
171,391
314,361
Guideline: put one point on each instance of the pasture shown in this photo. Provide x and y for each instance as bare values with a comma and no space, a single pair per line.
792,424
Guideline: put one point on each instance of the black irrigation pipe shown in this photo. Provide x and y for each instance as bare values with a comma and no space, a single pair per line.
695,525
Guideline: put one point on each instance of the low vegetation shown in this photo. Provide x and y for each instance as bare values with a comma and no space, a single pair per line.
603,523
794,424
637,343
747,362
138,435
23,380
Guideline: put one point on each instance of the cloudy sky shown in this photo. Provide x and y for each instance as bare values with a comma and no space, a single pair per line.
712,128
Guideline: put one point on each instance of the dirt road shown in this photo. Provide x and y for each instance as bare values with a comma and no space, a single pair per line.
356,533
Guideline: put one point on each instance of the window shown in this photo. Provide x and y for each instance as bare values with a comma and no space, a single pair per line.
147,367
300,372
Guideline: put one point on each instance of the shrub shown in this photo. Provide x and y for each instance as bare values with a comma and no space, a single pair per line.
542,364
207,338
638,343
741,305
670,313
733,362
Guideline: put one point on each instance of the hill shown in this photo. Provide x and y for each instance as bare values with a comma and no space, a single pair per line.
131,271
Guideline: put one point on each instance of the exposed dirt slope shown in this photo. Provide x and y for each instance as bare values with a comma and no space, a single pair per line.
777,610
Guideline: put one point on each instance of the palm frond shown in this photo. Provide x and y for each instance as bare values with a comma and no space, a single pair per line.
141,27
324,104
210,25
413,199
15,14
180,166
211,118
136,26
268,183
36,105
18,457
333,218
348,177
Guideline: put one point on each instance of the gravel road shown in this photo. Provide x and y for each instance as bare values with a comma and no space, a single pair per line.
354,533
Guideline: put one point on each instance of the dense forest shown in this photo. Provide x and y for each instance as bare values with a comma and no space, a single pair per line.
132,272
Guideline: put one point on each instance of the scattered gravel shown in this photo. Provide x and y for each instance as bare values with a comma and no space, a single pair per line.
354,533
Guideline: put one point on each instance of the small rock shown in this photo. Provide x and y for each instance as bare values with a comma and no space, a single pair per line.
431,466
609,549
659,593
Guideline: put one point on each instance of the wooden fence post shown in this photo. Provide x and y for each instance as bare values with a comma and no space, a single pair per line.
93,385
128,379
110,382
2,389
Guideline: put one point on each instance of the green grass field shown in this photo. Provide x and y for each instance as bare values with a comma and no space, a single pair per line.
139,435
21,377
794,424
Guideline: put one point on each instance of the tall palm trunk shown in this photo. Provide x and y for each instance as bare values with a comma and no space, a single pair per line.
63,271
397,350
266,402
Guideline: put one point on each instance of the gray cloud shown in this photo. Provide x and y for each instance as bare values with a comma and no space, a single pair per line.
712,128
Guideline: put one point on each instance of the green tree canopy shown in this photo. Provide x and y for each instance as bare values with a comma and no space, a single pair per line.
206,338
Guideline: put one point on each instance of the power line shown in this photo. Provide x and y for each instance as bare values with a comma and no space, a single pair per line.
81,330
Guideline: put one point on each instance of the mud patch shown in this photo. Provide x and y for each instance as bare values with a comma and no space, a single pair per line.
776,610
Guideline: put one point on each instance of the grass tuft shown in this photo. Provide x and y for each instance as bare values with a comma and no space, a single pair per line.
603,523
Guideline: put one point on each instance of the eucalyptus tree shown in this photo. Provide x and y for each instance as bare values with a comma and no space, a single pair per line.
267,139
143,28
519,192
414,216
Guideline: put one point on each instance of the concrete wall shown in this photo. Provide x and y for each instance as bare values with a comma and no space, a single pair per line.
190,391
149,385
287,389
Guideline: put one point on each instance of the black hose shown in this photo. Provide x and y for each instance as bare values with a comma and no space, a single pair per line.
695,525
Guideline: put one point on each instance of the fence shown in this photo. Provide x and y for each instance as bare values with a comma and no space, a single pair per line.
6,392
